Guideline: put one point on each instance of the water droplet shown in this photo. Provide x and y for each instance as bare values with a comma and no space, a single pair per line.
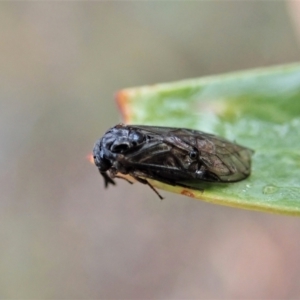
270,189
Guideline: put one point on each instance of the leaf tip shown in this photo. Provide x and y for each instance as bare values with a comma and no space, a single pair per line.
123,98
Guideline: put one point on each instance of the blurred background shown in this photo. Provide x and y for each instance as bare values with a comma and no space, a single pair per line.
62,235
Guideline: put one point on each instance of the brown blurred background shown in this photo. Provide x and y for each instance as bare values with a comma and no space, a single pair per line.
62,235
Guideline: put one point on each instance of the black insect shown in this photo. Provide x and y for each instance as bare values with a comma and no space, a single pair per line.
174,156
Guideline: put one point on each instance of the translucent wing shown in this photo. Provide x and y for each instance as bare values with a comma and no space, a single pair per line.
169,156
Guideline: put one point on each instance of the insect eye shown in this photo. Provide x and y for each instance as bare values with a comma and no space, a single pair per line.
193,154
119,148
136,138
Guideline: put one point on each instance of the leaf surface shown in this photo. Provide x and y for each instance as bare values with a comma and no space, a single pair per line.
259,109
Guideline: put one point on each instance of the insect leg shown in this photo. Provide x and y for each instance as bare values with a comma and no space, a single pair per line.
144,181
117,176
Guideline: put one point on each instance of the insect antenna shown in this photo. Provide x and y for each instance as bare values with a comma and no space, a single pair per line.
107,179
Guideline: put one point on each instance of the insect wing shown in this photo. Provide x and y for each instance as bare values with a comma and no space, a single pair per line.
163,157
230,162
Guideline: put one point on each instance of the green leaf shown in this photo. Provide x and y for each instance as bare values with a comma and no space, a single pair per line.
259,109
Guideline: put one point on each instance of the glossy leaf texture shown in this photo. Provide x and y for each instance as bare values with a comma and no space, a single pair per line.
259,109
